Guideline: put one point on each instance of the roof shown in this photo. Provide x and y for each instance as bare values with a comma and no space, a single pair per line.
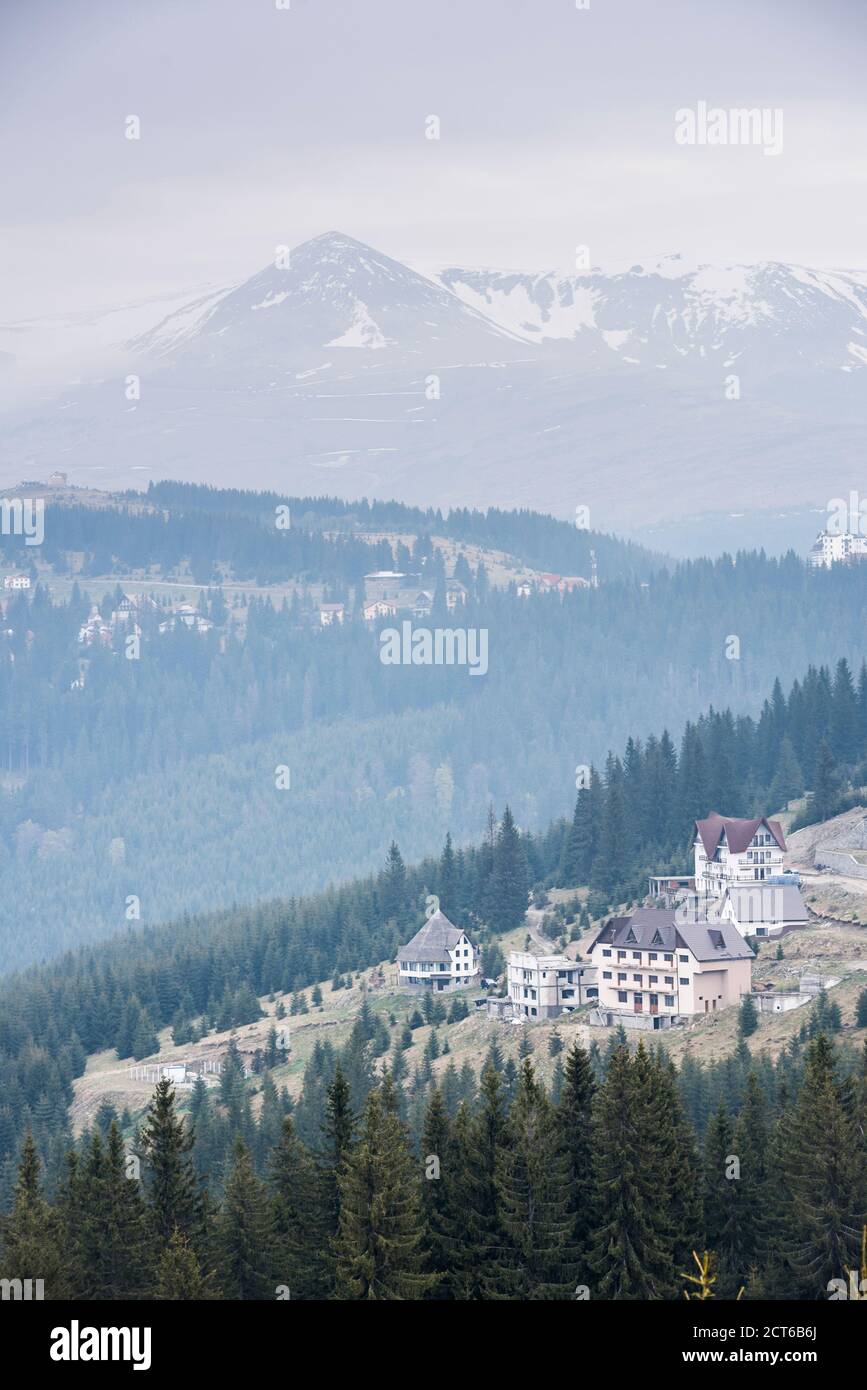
650,927
768,902
435,937
738,833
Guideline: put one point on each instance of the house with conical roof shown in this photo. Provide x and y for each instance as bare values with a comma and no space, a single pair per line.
439,957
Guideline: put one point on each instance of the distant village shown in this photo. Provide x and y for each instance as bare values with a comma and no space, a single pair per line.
684,953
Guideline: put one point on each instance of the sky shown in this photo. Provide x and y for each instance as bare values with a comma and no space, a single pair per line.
262,126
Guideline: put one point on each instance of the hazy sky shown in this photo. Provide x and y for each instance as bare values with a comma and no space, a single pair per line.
262,126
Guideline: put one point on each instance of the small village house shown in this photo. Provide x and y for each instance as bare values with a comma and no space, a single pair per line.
439,957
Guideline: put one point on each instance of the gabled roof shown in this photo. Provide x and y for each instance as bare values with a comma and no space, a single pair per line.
436,937
738,832
649,928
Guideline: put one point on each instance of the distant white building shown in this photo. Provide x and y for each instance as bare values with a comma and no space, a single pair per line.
730,851
440,957
330,613
837,548
16,581
547,986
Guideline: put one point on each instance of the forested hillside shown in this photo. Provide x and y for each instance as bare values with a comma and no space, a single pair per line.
208,971
155,779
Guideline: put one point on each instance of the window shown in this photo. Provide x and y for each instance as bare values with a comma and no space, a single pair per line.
683,980
621,996
621,978
636,955
669,1001
668,958
606,953
621,955
669,979
654,979
684,960
652,955
637,979
606,974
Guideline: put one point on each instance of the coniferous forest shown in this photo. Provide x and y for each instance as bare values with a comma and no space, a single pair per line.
379,1184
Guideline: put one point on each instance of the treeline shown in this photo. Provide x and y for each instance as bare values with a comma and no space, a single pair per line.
117,540
537,540
603,1192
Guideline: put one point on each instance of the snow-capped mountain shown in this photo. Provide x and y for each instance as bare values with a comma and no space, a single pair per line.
663,311
331,292
340,369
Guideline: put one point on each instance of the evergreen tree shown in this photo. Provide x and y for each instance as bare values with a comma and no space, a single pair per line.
631,1249
248,1261
538,1258
32,1244
170,1185
380,1251
300,1218
823,1169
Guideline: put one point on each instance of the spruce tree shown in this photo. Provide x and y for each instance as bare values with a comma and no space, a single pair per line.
538,1257
823,1169
380,1252
300,1218
32,1243
248,1259
574,1120
631,1248
170,1184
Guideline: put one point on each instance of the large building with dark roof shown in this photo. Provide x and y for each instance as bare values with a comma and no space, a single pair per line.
654,968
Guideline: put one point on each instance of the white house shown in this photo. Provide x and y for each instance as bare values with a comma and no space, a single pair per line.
763,909
330,613
731,851
837,548
439,957
654,969
547,986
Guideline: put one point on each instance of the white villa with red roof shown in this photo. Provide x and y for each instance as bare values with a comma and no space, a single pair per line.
731,852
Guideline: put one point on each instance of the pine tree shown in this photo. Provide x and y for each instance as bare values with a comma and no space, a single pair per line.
481,1141
538,1258
631,1249
574,1120
245,1243
170,1183
439,1161
788,780
823,1169
748,1019
823,798
510,878
178,1274
380,1253
338,1139
300,1218
32,1244
113,1252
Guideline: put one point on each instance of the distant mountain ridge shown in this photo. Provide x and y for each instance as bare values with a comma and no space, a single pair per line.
659,392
